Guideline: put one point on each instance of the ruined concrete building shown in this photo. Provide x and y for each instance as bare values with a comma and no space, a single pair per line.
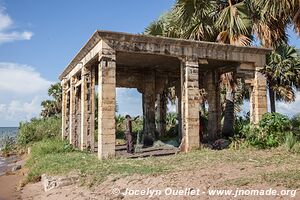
153,64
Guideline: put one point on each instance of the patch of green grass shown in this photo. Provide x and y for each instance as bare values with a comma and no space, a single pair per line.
56,157
53,157
287,178
239,182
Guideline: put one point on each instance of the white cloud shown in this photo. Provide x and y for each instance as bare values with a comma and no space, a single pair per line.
21,79
17,110
6,24
289,109
8,37
5,20
22,89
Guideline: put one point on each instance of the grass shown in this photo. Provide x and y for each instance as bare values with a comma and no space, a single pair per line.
55,157
288,178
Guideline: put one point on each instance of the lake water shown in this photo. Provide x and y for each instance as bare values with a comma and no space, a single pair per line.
11,131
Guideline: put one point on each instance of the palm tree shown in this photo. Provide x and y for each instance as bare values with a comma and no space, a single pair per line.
189,19
271,18
55,91
283,74
52,107
234,22
234,27
195,19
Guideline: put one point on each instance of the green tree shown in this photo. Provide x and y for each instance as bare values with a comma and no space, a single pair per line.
283,74
234,22
52,107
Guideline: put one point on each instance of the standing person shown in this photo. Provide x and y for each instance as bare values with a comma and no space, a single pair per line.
128,133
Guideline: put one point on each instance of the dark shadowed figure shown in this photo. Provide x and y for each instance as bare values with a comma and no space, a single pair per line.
128,133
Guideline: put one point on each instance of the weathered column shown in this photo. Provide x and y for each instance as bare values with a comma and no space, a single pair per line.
149,104
178,108
91,109
107,105
85,78
161,103
72,111
258,97
64,110
87,109
214,105
68,111
190,97
77,123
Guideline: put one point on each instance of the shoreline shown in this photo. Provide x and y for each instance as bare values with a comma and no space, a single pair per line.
9,180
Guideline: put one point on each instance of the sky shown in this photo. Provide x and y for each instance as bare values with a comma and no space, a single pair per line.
39,38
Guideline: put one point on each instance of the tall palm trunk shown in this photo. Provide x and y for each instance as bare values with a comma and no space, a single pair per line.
272,100
227,130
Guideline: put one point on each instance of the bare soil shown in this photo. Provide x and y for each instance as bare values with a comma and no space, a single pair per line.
270,170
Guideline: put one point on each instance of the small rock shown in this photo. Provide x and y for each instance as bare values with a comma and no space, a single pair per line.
29,150
16,168
50,183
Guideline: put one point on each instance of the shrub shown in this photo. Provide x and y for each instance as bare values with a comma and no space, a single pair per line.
296,125
8,145
239,124
270,132
290,141
39,129
50,146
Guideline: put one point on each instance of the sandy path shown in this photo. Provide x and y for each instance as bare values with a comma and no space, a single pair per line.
8,186
200,178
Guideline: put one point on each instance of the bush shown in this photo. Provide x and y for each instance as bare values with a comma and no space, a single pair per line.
50,146
8,145
296,126
270,132
39,129
290,141
239,124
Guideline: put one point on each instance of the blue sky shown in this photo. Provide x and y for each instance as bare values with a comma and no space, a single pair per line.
39,38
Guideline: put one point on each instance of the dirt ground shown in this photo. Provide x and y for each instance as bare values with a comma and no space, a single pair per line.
10,180
8,187
223,175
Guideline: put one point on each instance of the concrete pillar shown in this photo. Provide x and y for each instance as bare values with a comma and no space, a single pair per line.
72,111
77,122
258,98
149,104
85,78
91,109
87,109
65,134
161,112
107,105
190,98
214,104
178,108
